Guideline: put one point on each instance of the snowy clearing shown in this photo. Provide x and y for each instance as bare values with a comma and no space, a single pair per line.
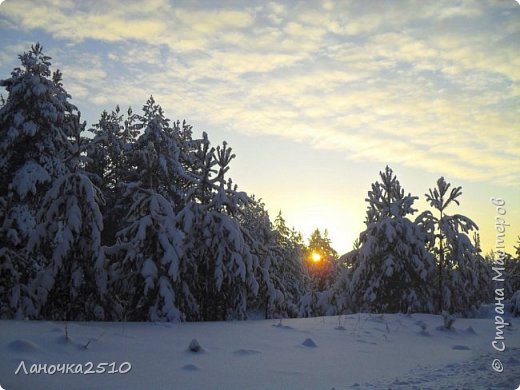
358,351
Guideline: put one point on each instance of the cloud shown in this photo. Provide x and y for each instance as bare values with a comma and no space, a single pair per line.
66,22
467,9
432,86
212,21
154,22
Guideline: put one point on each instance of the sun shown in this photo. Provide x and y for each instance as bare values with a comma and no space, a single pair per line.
315,257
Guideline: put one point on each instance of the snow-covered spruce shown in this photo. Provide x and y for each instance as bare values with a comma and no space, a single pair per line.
148,272
72,282
391,268
38,145
215,243
280,270
145,261
109,164
180,234
260,237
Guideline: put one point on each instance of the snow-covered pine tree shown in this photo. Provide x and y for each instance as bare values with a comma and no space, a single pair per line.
16,270
390,270
276,297
341,287
191,222
39,140
340,290
288,271
34,138
485,289
147,262
257,229
107,159
457,264
234,262
25,172
215,242
72,285
161,155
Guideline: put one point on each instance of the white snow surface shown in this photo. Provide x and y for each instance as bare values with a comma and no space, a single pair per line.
358,351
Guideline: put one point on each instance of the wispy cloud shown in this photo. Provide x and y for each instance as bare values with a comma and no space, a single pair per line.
433,86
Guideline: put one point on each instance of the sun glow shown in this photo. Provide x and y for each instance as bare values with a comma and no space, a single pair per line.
315,257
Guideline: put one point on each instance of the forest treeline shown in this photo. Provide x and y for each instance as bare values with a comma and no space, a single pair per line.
136,219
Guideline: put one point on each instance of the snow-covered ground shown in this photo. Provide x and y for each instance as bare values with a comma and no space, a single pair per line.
359,351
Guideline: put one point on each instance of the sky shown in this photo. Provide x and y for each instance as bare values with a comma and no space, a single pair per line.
314,97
